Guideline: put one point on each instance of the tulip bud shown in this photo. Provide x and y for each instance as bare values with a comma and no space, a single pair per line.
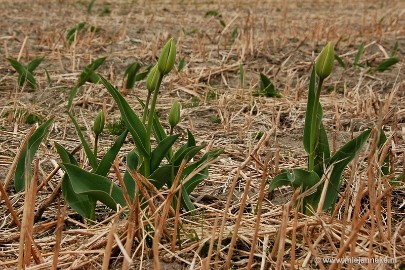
174,114
99,122
325,61
167,57
152,79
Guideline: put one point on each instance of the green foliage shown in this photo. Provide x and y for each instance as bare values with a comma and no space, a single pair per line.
316,144
359,53
159,163
78,28
87,74
25,73
23,169
386,64
181,65
266,88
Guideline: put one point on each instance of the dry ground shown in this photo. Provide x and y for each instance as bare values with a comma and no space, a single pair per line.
278,38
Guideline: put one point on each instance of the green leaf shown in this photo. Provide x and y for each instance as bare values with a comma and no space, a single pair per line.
267,88
359,54
162,176
340,61
80,203
181,65
280,180
385,168
108,159
141,76
130,73
386,64
23,74
339,161
27,155
161,151
131,120
34,64
72,95
295,178
48,77
70,36
90,155
95,186
188,153
88,73
309,112
322,151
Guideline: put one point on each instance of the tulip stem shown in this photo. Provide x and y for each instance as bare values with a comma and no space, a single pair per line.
150,123
145,110
314,127
95,144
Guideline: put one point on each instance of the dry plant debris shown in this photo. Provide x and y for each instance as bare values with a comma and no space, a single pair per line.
238,224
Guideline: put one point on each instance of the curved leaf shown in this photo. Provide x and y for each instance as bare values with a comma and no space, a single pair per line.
339,161
187,153
95,186
78,202
161,151
90,155
27,155
308,115
280,180
162,176
108,159
131,120
34,64
130,73
322,151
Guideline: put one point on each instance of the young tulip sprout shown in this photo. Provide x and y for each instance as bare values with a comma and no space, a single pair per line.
98,127
174,116
323,68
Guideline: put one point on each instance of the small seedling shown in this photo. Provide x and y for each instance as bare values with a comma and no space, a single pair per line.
359,53
25,73
78,28
181,65
266,88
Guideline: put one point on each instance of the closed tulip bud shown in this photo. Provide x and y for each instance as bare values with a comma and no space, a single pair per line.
174,114
152,79
167,57
325,61
99,122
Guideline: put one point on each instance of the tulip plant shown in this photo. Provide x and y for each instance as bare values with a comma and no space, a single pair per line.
159,163
320,162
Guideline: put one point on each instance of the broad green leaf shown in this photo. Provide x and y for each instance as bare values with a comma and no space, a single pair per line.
34,64
295,178
162,176
132,164
339,161
90,155
108,159
96,186
309,112
267,88
322,151
27,155
131,120
280,180
17,65
78,202
161,151
130,73
65,156
188,152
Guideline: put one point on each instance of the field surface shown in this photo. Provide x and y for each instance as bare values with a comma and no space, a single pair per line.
222,48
